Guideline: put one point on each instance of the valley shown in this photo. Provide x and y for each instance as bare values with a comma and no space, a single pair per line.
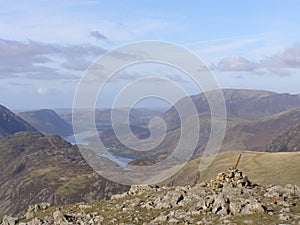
39,165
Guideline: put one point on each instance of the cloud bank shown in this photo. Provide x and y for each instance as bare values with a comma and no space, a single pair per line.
44,60
278,63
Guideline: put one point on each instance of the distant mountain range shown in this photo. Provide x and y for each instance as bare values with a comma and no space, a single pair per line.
48,122
254,119
10,123
139,117
240,104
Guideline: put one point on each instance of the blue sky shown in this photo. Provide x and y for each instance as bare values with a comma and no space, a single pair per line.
45,46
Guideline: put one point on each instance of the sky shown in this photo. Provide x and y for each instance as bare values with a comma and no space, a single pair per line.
47,46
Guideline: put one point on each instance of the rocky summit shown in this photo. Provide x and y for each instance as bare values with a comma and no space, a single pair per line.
230,198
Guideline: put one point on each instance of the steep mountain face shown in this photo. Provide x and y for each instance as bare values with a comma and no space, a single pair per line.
255,135
254,118
261,105
288,141
10,123
48,122
242,104
37,168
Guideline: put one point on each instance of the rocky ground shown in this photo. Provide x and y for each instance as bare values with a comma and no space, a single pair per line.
230,198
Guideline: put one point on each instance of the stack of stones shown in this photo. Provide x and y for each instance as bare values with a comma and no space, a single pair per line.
233,177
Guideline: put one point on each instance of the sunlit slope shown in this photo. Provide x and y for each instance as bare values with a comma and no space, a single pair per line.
261,167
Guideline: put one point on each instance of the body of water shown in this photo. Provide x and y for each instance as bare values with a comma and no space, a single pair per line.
82,140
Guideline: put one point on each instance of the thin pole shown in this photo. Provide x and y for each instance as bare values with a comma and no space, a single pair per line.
237,162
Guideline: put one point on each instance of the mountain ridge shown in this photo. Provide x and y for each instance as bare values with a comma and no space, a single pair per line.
48,122
244,104
10,123
43,168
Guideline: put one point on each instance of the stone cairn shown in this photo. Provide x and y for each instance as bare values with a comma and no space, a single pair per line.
233,177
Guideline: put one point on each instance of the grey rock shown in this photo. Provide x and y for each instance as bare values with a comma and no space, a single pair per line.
58,216
284,217
35,208
221,205
35,221
291,190
161,218
8,220
173,221
235,207
202,184
274,191
285,210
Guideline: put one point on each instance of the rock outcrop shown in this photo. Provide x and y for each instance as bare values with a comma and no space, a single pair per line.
230,198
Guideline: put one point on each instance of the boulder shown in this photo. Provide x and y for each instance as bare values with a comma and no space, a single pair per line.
8,220
58,216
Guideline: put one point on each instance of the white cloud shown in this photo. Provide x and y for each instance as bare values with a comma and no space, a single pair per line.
287,58
279,63
236,63
42,91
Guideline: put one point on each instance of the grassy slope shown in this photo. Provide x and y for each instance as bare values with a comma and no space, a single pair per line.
261,168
